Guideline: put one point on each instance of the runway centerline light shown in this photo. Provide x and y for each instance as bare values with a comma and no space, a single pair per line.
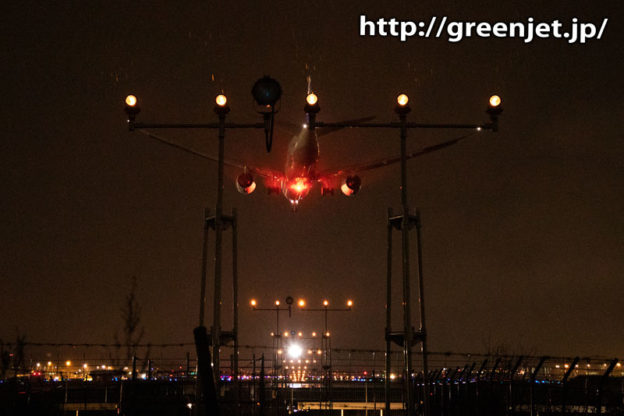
131,100
295,351
221,100
402,100
312,99
495,101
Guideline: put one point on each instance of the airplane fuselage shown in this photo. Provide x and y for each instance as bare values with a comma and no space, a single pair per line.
300,169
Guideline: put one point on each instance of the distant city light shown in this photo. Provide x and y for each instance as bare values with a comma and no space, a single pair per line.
349,303
325,302
253,303
277,303
301,303
67,363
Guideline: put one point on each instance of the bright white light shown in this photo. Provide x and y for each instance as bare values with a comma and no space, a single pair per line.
295,351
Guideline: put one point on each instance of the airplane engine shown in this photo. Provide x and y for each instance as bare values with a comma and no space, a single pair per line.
245,183
351,185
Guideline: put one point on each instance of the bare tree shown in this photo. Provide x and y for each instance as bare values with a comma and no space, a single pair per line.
19,362
131,316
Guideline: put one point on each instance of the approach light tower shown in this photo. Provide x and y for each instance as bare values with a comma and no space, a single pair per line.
407,337
267,93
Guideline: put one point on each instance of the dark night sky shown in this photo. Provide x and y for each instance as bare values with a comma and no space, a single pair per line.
522,230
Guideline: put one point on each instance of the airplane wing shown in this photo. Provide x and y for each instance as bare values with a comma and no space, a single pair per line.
265,173
380,163
322,131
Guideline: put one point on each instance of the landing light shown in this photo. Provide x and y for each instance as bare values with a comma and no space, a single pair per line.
221,100
495,101
312,99
402,100
131,100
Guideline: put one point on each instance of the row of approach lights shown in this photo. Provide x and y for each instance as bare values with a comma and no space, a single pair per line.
301,303
312,106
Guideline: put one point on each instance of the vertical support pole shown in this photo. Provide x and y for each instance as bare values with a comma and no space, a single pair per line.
564,382
261,394
603,379
388,357
408,334
423,329
538,367
235,312
216,326
204,270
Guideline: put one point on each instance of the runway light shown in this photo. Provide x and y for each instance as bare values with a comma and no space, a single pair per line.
402,100
294,351
349,303
312,99
221,100
301,303
253,303
131,100
495,101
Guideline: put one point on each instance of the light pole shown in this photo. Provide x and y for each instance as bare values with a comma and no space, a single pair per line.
404,222
277,339
266,92
326,361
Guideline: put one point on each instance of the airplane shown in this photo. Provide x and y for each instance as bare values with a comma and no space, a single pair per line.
300,172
